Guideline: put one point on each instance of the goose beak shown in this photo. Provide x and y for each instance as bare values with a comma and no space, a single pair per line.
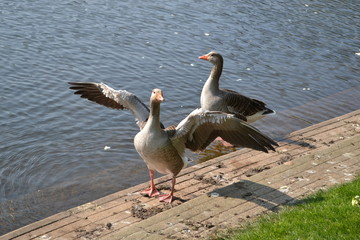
205,57
160,98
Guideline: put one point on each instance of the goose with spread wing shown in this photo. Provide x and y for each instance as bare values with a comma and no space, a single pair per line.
163,150
214,98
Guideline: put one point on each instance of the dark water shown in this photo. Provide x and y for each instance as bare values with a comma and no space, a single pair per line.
52,157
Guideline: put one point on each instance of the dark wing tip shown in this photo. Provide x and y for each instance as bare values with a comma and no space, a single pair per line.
91,91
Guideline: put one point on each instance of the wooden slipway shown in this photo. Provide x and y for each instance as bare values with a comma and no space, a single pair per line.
219,193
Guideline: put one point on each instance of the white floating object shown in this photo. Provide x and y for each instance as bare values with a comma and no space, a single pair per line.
239,79
358,53
191,64
107,148
207,34
248,69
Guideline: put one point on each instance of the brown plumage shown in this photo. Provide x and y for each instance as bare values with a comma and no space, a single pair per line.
163,150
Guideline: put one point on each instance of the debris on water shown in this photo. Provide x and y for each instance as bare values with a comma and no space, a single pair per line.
107,148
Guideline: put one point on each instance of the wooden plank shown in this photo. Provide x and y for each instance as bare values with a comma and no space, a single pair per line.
296,155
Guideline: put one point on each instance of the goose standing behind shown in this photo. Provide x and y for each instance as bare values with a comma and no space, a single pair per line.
214,98
163,149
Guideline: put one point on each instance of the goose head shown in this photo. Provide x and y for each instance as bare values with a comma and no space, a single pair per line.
157,96
213,57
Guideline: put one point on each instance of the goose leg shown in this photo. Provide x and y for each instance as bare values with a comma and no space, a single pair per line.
151,191
169,197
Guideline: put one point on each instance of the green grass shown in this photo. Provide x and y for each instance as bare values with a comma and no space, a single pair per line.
324,215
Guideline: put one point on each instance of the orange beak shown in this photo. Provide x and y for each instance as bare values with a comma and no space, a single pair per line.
160,97
205,57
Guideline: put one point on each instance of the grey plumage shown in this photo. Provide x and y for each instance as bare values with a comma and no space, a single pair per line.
214,98
163,150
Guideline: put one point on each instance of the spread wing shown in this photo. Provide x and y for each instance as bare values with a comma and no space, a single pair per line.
201,127
116,99
240,104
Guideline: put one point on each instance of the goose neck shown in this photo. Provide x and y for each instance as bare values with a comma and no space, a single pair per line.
154,116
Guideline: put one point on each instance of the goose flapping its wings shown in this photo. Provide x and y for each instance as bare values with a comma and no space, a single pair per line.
163,149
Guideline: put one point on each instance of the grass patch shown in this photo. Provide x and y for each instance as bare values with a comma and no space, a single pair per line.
324,215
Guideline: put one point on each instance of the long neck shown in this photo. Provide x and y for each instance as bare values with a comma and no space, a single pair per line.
154,116
213,80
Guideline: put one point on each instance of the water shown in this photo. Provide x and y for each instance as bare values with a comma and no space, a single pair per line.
52,157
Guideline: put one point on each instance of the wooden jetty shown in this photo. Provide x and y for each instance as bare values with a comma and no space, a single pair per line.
219,193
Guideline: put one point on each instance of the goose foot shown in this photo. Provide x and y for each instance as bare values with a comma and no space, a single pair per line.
168,198
151,192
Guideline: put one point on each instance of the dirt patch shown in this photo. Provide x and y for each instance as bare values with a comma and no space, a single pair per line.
198,177
196,226
253,171
163,187
139,211
285,159
214,180
329,143
90,234
220,165
304,142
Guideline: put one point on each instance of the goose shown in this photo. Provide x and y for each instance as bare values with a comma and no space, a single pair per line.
163,149
214,98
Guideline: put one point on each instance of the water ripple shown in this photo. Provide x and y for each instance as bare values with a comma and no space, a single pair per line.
287,53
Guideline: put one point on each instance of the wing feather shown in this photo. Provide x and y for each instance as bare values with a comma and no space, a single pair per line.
116,99
201,127
241,104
